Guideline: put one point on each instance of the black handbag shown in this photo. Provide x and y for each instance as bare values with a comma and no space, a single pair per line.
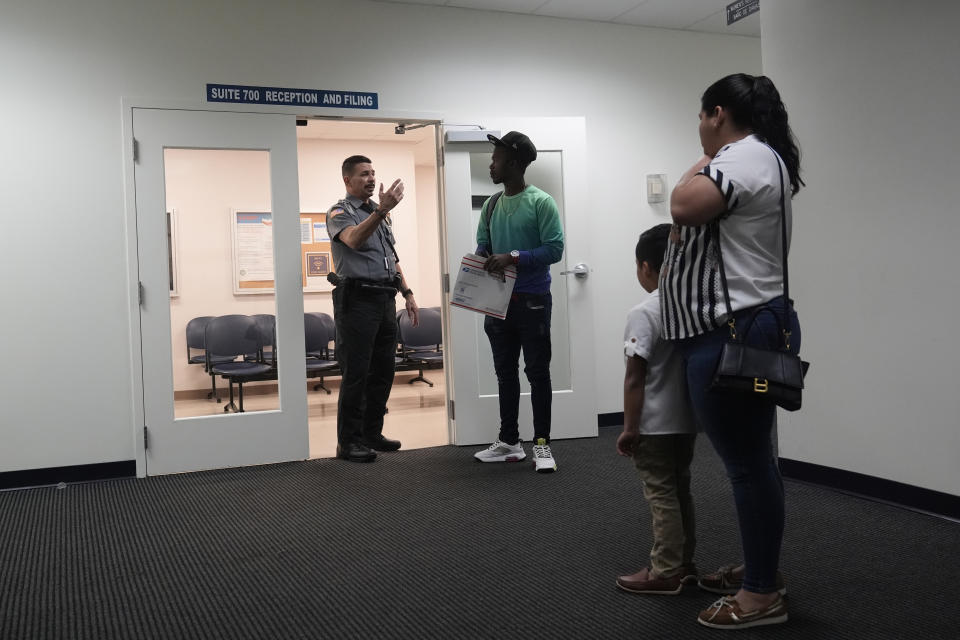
774,374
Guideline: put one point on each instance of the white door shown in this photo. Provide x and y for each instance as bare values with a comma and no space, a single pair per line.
560,170
257,154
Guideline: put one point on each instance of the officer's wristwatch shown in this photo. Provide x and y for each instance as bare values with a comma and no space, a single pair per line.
406,292
515,254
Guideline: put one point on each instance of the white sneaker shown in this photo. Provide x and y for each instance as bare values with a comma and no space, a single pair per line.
501,452
543,458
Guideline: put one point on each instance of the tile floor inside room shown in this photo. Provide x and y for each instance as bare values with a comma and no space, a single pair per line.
417,413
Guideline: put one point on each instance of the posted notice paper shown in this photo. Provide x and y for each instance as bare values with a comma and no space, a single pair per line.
481,291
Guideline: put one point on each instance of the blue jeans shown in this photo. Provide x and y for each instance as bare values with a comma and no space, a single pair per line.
740,426
526,327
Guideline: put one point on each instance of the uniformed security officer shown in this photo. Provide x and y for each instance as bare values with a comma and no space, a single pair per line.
364,307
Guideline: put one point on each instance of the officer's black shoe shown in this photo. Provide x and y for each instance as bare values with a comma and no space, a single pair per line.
381,443
355,452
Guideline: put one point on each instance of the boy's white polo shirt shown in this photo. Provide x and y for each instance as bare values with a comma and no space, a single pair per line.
666,406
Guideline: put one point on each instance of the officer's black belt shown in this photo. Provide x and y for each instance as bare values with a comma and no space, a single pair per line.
385,286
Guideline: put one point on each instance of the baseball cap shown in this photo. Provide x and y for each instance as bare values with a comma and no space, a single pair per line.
518,143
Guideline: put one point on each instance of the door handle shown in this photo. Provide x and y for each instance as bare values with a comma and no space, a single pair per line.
580,271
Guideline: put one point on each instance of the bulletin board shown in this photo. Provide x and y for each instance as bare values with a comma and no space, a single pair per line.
252,233
316,258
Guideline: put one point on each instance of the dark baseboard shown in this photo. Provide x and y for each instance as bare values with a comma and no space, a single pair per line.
610,419
78,473
879,489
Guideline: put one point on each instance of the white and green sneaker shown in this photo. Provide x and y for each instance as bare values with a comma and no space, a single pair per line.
501,452
543,460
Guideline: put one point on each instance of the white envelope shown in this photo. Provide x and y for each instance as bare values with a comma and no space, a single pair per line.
479,290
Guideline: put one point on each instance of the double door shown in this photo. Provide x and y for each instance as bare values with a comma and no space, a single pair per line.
266,145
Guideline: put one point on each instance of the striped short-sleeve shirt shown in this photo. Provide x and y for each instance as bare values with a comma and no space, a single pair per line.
747,172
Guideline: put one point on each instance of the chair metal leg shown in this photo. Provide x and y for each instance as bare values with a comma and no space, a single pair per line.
227,407
420,378
240,386
320,385
212,394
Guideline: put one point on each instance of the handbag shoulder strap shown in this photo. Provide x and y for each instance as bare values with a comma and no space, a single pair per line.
783,247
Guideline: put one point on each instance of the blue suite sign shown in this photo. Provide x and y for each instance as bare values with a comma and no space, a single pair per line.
241,94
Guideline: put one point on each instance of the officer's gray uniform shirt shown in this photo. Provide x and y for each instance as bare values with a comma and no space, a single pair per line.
375,260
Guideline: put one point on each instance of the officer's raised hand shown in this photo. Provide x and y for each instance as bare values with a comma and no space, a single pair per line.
391,197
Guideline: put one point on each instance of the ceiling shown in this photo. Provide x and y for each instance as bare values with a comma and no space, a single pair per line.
708,16
353,130
421,142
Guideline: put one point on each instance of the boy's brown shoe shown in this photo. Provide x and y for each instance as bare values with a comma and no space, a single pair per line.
724,582
646,583
726,613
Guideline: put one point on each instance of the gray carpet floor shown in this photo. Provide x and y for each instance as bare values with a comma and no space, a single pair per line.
429,544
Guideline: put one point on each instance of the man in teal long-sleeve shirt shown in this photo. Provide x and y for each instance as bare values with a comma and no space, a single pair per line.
523,230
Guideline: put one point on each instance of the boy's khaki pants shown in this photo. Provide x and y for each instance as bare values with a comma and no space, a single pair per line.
663,462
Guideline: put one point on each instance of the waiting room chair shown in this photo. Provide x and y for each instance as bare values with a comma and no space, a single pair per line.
267,331
234,336
422,345
195,332
317,334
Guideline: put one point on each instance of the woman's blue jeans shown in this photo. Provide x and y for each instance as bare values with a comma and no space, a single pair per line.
740,427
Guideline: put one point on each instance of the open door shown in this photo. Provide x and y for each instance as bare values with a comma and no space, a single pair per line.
188,143
560,170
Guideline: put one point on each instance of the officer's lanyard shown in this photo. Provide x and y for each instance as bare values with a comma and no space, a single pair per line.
382,235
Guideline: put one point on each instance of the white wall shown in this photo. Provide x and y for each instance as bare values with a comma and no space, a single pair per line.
66,66
873,94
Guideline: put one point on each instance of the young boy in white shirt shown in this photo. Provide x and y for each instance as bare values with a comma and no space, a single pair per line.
658,431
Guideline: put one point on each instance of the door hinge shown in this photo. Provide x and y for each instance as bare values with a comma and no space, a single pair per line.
140,293
136,151
146,438
451,412
446,283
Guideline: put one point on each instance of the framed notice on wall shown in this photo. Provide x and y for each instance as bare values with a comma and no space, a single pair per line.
317,260
253,252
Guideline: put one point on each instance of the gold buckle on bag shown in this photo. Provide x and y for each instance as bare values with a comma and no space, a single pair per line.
760,385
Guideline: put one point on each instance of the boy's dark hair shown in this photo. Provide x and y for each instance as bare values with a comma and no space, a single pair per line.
652,245
351,163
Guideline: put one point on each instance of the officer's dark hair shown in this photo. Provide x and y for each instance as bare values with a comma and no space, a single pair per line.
652,245
351,163
754,103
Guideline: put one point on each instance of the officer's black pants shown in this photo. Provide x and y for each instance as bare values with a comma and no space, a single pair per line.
366,346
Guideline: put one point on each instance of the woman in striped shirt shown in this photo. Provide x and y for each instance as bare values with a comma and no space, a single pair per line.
730,202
